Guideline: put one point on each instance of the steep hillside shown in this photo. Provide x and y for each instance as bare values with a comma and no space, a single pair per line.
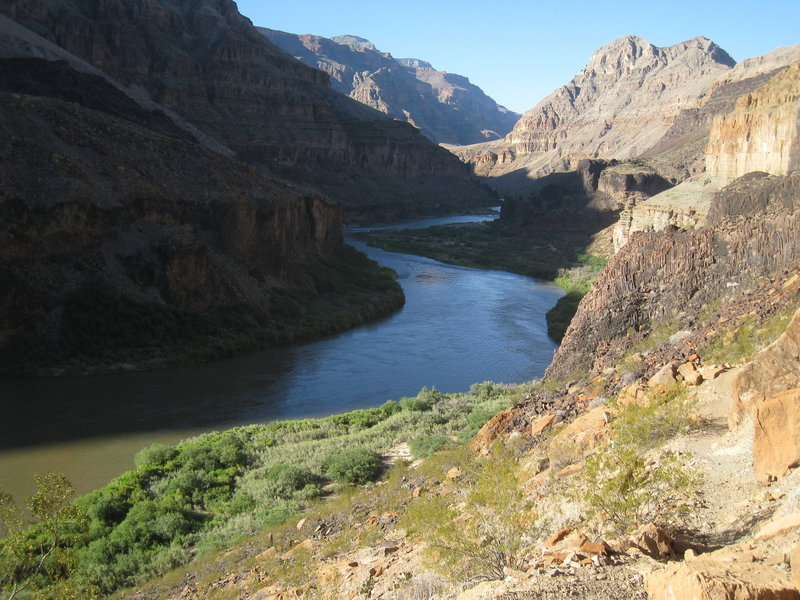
446,107
129,239
209,64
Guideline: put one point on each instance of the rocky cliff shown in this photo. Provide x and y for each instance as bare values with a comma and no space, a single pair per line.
128,239
672,275
206,62
446,107
760,134
632,100
618,106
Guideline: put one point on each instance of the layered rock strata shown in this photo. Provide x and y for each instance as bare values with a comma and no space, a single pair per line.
446,107
762,133
661,276
633,100
619,106
126,239
206,62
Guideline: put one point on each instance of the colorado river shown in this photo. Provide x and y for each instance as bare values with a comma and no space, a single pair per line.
458,326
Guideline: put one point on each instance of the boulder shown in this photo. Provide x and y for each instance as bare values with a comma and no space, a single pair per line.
708,579
490,432
654,541
579,439
541,424
665,377
775,369
776,440
690,374
633,395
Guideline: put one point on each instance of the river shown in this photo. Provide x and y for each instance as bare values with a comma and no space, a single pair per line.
458,326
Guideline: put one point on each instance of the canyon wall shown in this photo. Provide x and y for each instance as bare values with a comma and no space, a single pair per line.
206,62
445,107
762,133
129,239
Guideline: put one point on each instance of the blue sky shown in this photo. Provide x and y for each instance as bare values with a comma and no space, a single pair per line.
518,52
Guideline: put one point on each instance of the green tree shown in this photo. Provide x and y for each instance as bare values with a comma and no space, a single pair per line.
38,557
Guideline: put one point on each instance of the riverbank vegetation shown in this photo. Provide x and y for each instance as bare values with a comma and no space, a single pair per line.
558,256
206,493
102,330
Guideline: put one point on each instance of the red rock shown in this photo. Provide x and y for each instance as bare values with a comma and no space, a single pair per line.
776,440
558,536
775,369
707,579
600,548
541,424
569,471
690,374
492,431
663,378
654,541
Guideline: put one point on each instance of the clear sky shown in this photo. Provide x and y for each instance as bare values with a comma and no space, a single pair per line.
518,52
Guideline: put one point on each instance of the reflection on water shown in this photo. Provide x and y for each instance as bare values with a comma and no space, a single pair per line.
458,326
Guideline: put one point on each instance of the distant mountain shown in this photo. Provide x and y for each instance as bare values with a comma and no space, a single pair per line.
632,100
447,108
206,62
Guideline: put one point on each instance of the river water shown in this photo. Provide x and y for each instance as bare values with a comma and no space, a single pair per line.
458,326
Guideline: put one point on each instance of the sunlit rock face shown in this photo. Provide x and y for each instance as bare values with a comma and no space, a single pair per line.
447,108
762,133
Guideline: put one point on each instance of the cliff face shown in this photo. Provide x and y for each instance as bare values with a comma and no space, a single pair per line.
125,239
632,100
207,63
659,277
618,106
446,107
762,133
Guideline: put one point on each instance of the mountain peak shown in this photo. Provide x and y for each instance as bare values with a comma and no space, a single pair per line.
355,42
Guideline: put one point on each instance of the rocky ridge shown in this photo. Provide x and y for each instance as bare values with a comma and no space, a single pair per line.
760,134
445,107
632,100
207,63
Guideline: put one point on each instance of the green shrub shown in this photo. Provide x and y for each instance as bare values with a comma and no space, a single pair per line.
477,418
422,401
669,414
157,455
354,465
423,447
623,491
486,527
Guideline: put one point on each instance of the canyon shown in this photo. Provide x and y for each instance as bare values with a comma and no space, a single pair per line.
149,206
445,107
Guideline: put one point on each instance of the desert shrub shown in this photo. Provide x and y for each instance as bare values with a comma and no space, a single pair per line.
354,465
423,447
488,390
422,401
668,414
284,481
485,527
622,490
477,418
157,455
